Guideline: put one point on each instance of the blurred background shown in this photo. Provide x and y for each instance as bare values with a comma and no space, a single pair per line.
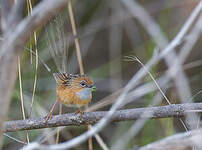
107,31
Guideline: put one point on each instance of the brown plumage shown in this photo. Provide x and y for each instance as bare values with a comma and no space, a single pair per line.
72,90
68,86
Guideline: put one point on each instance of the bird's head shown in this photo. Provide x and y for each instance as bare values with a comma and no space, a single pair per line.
75,82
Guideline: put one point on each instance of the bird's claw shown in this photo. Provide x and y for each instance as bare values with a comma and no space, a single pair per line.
49,117
79,112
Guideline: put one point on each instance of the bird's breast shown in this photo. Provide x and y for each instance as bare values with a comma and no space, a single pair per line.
74,97
84,94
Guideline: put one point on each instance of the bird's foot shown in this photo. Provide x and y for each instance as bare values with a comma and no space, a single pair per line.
79,112
49,117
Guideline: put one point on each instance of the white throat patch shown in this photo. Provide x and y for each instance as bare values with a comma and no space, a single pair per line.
85,94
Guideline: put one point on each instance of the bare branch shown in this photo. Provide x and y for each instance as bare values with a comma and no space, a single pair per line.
6,6
177,141
9,61
11,46
40,15
174,110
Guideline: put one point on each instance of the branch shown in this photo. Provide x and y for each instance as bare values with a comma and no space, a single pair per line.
40,15
10,17
177,141
174,110
11,47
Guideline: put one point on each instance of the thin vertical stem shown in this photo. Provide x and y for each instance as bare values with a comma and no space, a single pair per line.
58,129
36,63
101,142
30,45
21,96
79,58
76,40
90,141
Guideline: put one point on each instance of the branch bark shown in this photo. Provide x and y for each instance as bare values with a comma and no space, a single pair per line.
174,110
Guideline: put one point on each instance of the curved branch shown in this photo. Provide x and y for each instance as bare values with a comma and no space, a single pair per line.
174,110
40,15
177,141
14,38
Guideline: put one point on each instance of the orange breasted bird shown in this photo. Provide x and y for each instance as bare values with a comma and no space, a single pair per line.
72,90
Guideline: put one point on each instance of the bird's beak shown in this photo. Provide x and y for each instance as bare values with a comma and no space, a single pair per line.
93,88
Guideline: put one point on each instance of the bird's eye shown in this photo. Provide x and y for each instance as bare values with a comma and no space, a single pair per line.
83,84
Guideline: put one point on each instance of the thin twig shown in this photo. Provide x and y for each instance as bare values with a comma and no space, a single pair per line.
101,142
35,76
58,129
137,126
90,140
134,58
21,96
168,101
36,62
29,9
76,40
40,59
14,139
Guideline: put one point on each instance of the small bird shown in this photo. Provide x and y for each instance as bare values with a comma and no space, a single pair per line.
72,90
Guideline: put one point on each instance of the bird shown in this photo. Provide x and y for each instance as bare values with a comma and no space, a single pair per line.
72,91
